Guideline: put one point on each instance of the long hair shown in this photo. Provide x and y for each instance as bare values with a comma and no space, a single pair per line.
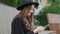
29,22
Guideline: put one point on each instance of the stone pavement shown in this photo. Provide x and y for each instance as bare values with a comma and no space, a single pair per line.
47,32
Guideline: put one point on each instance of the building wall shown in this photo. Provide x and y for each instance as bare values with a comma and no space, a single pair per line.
6,15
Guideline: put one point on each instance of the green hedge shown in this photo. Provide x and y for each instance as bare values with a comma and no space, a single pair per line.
54,1
11,2
55,9
42,18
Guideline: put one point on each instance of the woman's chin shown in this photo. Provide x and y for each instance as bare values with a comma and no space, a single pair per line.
28,14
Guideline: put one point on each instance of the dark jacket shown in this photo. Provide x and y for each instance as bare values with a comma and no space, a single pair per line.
18,26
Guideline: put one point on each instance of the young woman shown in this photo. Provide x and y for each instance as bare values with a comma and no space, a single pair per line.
23,22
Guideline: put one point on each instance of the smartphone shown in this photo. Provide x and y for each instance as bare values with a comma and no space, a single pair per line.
46,26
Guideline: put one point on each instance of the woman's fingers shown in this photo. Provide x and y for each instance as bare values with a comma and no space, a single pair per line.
39,29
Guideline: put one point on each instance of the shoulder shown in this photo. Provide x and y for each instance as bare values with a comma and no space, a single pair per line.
17,18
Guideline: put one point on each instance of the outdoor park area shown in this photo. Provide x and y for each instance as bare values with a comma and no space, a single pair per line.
47,14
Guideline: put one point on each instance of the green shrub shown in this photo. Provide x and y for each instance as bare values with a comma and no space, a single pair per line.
52,9
13,3
41,17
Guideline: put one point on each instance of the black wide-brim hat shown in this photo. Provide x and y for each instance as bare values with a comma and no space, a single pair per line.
25,3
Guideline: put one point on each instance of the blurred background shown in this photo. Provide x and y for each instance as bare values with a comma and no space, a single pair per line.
8,11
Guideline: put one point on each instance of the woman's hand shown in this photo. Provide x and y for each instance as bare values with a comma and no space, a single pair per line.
38,29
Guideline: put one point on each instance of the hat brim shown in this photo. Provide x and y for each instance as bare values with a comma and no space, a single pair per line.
24,5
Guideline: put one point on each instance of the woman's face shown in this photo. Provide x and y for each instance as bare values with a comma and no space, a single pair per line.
27,11
31,9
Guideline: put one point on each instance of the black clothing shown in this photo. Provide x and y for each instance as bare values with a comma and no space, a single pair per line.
18,26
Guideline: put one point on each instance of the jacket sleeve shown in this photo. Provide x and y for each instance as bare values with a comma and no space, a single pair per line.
18,28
